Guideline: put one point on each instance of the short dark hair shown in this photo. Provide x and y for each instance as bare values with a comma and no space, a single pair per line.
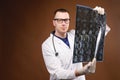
61,10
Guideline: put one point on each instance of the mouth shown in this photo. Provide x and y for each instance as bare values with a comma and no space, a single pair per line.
64,28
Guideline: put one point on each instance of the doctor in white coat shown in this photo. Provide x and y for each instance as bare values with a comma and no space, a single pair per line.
57,50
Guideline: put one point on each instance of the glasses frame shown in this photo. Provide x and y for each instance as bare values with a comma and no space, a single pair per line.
60,21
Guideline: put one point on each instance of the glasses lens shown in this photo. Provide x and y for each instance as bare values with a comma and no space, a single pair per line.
61,20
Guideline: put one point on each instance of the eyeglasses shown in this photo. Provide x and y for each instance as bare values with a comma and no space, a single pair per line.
61,20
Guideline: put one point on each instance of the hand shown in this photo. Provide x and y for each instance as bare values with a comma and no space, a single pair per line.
107,29
93,66
100,10
90,67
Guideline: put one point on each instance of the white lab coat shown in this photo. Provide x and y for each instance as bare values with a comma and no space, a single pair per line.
61,66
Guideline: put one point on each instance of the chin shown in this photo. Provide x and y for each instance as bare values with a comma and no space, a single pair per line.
65,31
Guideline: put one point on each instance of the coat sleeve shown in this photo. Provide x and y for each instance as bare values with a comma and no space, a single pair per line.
54,65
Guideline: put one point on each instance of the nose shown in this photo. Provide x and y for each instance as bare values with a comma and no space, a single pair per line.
63,22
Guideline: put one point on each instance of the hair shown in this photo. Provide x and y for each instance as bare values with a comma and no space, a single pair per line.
60,10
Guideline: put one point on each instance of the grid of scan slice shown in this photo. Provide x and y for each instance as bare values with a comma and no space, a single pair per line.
88,24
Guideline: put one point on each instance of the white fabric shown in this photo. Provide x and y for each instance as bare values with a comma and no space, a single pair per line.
61,66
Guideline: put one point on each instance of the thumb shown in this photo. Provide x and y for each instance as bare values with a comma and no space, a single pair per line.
94,61
93,68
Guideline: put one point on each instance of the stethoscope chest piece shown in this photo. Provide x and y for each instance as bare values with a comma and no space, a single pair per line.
56,54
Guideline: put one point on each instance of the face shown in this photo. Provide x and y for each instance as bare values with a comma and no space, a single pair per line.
61,22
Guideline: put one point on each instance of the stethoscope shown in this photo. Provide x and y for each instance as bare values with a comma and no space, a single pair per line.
56,53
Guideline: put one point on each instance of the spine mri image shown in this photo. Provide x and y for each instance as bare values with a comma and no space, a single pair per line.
89,23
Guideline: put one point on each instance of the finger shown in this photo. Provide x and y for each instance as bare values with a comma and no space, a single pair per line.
102,11
89,64
99,10
95,8
94,61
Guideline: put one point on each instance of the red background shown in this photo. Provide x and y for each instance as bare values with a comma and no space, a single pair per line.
25,24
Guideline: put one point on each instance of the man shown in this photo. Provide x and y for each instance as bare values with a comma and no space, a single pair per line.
58,50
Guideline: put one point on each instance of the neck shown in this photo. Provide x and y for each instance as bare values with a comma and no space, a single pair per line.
61,35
